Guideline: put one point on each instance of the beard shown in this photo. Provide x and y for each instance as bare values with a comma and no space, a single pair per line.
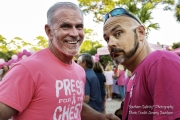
66,48
120,59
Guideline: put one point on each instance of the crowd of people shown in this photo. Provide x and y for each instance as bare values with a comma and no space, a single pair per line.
51,85
99,82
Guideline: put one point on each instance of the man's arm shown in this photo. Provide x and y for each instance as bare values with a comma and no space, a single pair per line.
6,112
88,113
86,98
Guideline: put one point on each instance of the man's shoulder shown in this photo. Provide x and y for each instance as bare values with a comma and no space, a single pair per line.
162,54
90,73
158,57
35,57
77,65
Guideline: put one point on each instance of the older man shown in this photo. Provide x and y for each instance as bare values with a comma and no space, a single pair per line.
47,85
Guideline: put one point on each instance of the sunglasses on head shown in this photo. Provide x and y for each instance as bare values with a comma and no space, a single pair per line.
119,12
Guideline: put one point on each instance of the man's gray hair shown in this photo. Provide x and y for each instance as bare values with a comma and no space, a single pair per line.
60,5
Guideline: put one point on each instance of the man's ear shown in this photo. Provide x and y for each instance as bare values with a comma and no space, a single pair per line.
84,63
141,32
48,32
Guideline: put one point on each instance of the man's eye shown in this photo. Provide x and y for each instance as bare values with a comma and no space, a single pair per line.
118,34
107,40
79,26
65,27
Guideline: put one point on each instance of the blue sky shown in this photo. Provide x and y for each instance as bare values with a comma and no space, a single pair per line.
26,19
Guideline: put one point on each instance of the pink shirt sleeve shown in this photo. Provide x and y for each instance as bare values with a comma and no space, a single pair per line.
164,85
16,84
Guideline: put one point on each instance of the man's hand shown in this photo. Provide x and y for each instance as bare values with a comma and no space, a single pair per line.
111,116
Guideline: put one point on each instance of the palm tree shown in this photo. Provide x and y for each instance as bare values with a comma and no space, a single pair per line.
144,14
101,7
177,11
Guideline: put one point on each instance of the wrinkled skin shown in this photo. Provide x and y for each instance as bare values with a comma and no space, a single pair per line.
65,34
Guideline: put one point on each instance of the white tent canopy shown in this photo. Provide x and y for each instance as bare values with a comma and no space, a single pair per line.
104,50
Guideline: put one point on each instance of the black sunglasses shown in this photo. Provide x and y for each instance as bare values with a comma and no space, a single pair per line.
119,12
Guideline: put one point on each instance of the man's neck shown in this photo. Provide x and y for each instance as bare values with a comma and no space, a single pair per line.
65,59
142,52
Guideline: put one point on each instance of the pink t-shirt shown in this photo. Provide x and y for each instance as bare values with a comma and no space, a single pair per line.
109,77
154,88
121,78
41,87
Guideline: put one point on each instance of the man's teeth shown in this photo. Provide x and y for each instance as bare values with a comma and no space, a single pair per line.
72,42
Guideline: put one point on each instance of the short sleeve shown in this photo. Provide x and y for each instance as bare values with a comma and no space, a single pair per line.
17,87
87,87
164,87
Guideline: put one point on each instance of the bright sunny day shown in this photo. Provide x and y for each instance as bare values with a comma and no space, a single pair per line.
89,59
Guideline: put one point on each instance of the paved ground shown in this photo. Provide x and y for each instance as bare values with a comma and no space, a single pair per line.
112,106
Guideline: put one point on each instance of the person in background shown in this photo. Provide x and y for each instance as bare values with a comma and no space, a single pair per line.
109,74
49,85
98,69
103,64
153,88
5,69
120,76
127,77
92,87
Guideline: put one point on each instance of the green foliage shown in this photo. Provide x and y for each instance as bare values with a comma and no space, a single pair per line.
176,45
17,44
7,55
7,49
177,13
89,33
5,52
3,44
141,8
39,43
104,59
89,46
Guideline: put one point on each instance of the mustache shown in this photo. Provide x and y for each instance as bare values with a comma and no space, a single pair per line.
78,38
114,50
73,38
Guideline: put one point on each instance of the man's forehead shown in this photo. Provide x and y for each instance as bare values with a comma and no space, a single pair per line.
123,22
68,16
123,19
68,12
112,24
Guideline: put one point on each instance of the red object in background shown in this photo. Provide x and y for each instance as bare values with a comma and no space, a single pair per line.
115,70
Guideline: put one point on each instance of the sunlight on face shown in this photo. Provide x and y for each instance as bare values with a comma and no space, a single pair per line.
68,32
67,48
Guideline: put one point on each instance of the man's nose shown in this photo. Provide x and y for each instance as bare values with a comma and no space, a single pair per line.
74,32
111,42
